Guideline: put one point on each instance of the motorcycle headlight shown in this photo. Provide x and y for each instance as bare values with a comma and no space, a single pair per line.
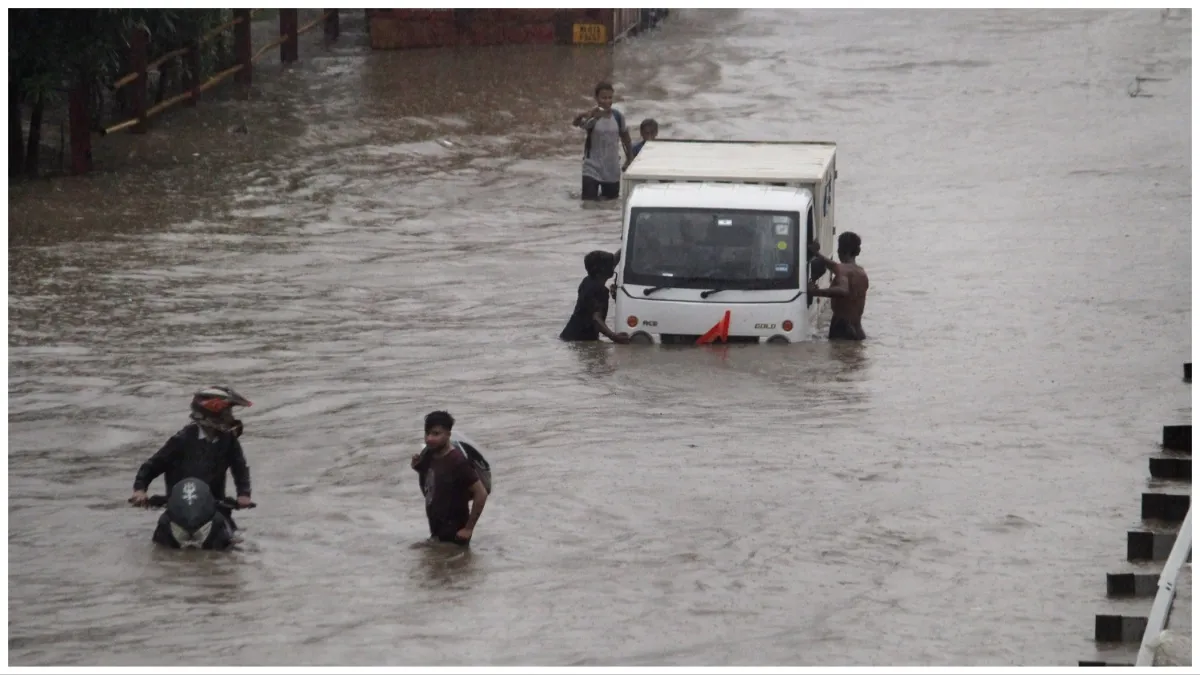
191,539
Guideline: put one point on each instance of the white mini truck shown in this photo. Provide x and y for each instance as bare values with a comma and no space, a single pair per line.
715,240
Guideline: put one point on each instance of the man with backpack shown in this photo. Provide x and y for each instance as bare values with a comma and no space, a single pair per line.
606,135
455,492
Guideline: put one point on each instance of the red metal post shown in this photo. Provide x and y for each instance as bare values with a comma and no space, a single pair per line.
81,132
242,49
138,59
332,26
289,22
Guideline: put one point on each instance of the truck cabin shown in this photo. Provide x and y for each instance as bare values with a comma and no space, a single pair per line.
710,248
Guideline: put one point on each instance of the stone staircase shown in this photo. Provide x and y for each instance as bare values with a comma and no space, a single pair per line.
1132,588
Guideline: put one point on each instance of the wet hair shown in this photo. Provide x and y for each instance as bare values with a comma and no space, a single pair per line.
603,86
849,243
439,418
599,261
648,124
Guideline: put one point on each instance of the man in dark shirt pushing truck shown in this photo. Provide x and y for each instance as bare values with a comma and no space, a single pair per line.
589,320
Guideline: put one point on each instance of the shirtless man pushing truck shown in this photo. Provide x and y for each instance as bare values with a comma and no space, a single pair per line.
847,292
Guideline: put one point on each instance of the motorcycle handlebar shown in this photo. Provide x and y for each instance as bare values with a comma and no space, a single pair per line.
159,501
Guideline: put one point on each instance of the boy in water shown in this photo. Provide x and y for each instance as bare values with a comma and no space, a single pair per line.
589,319
454,494
847,292
649,131
606,135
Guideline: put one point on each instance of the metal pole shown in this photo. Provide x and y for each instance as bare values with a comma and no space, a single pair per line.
1166,591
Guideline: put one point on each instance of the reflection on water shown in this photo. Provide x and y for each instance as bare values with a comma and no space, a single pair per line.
446,565
401,232
596,359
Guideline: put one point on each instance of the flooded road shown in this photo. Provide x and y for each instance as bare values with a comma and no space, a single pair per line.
401,232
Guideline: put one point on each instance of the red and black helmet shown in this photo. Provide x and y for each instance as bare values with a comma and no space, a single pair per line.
212,407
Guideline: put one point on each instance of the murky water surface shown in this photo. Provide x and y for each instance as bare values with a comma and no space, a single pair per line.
400,232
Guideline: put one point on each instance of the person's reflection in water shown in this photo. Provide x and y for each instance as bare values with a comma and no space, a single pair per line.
851,358
203,577
595,359
443,564
851,355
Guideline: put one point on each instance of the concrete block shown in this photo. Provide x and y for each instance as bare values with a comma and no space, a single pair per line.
1178,437
1144,545
1172,508
1119,628
1132,584
1171,468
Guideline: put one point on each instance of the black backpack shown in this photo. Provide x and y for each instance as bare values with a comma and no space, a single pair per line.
481,465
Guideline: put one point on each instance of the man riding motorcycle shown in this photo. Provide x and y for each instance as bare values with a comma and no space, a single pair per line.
205,449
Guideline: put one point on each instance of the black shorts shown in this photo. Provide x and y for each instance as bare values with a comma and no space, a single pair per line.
594,189
842,329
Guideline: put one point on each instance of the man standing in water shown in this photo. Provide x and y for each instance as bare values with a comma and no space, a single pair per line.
847,292
454,494
606,135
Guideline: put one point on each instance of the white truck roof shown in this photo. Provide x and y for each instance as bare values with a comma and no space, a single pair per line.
780,162
718,196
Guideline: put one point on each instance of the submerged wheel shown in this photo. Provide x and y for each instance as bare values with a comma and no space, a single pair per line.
641,338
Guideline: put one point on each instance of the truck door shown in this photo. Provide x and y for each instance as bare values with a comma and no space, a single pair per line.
810,235
828,226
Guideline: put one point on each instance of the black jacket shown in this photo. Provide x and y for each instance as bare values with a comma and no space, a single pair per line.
188,455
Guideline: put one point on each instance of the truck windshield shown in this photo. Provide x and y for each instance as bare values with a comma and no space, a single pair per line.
712,249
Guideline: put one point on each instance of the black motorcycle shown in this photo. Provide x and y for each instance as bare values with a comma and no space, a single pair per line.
194,518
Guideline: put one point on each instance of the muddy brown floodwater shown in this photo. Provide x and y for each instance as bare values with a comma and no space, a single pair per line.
400,232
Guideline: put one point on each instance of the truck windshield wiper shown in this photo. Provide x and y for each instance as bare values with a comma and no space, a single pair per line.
753,286
680,280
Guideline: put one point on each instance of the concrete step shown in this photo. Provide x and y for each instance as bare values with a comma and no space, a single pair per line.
1121,627
1177,437
1132,584
1112,654
1170,467
1166,505
1152,542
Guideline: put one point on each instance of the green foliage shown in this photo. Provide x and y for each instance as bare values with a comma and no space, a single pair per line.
50,48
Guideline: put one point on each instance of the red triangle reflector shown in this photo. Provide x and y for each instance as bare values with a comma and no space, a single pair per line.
720,330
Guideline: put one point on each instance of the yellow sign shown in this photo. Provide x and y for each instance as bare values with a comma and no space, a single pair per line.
782,246
590,34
